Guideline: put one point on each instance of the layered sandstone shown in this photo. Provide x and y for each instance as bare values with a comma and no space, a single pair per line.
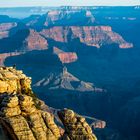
90,35
4,29
24,121
7,26
23,117
35,41
65,57
72,122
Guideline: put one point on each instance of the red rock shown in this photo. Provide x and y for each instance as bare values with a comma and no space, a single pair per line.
7,26
4,29
67,57
89,35
35,41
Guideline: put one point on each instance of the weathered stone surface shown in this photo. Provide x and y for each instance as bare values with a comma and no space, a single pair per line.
90,35
25,117
13,81
76,127
26,121
65,57
35,41
4,29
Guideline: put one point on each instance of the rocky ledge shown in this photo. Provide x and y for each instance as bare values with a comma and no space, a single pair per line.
22,116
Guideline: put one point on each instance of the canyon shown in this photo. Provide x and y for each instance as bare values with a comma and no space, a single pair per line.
82,58
22,116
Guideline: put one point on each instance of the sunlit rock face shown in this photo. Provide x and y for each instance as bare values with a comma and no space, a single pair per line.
65,57
28,123
4,29
13,81
24,117
35,41
75,126
90,35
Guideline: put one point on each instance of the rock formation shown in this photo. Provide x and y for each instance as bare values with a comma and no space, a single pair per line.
35,41
65,80
65,57
24,121
4,29
76,128
90,35
22,117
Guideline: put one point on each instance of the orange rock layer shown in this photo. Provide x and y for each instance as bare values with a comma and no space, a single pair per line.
67,57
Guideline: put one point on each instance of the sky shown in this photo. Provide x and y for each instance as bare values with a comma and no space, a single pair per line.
21,3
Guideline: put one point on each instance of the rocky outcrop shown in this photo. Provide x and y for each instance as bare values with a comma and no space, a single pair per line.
4,29
90,35
7,26
76,128
13,81
65,80
65,57
22,117
35,41
24,121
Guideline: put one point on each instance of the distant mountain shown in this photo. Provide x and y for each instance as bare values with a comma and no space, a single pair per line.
60,18
22,12
66,80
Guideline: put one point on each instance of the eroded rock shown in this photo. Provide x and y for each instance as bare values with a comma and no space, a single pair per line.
76,127
23,116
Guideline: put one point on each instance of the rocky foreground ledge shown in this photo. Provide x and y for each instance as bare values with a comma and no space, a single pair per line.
22,116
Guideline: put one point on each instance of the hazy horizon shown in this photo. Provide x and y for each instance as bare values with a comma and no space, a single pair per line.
55,3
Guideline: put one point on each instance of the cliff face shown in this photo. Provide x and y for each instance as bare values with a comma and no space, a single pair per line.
21,113
90,35
4,29
35,41
35,32
73,121
65,57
